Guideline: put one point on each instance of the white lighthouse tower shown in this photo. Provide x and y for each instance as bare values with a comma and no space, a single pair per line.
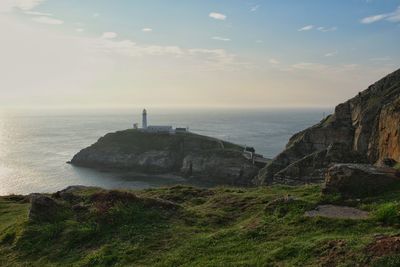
144,119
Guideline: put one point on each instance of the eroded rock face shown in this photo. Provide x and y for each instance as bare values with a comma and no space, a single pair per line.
389,131
312,168
223,166
367,124
358,180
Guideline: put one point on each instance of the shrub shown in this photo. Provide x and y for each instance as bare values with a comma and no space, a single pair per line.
388,213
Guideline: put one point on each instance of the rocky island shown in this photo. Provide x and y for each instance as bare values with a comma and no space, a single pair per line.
188,154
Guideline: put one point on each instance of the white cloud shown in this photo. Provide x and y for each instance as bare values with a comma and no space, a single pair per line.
109,35
306,28
48,20
217,56
9,5
331,54
274,61
36,13
218,38
392,17
309,66
381,59
323,29
255,8
96,15
80,30
132,49
372,19
128,48
147,30
217,16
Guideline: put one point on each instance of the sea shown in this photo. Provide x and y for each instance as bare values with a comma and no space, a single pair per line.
36,145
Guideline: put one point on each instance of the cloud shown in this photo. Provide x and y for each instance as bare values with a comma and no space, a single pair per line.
221,39
274,61
217,16
48,20
309,66
215,56
323,29
259,41
35,13
391,17
109,35
306,28
132,49
380,59
147,30
80,30
205,59
331,54
322,68
255,8
96,15
9,5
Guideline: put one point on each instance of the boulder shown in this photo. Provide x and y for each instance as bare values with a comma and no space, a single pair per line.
359,180
312,168
44,208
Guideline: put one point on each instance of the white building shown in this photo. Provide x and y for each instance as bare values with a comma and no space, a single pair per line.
155,128
144,119
159,129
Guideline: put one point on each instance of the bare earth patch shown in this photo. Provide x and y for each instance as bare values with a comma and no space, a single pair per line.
337,212
385,245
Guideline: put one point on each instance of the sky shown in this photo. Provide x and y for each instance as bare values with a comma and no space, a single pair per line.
193,54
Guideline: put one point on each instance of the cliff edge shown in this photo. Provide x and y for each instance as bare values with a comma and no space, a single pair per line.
364,129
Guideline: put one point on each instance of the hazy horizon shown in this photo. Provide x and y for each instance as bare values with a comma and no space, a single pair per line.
74,54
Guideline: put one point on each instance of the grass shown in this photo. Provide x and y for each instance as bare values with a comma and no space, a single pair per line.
205,227
135,141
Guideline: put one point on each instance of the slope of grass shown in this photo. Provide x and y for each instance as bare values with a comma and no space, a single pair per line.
186,226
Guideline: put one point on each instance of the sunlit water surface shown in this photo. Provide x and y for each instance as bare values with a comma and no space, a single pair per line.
34,148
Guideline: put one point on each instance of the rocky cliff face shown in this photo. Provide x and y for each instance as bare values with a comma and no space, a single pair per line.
188,154
367,127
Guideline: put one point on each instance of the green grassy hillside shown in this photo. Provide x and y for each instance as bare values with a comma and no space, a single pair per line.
185,226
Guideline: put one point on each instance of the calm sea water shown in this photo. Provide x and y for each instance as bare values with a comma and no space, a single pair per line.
34,148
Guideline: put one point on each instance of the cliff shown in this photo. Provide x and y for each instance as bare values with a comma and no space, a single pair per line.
187,154
364,129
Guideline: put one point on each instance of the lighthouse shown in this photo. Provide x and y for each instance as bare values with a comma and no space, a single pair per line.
144,119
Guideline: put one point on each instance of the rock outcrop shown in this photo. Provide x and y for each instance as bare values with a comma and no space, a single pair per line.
366,127
196,156
359,180
44,208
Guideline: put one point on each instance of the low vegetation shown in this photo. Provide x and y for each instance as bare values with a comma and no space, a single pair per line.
186,226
